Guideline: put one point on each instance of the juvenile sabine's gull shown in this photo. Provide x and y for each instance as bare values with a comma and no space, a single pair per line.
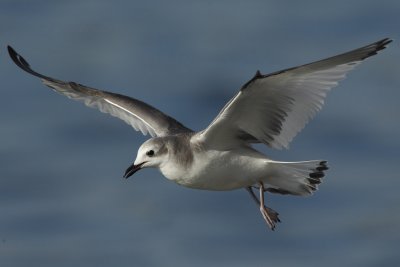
269,108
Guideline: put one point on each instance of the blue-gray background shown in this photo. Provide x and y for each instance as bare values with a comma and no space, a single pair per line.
63,201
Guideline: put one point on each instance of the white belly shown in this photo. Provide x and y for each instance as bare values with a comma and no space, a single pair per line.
220,170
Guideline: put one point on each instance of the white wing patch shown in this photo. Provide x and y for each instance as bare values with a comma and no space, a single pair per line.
273,108
104,105
308,92
138,124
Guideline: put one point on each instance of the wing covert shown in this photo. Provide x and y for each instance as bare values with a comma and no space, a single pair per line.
141,116
273,108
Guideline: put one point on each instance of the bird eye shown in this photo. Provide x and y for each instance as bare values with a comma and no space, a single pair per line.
150,153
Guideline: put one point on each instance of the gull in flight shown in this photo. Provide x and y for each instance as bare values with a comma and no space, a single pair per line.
269,109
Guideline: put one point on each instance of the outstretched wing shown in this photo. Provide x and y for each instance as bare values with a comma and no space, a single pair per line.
138,114
273,108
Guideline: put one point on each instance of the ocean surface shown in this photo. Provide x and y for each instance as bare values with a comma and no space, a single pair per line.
63,201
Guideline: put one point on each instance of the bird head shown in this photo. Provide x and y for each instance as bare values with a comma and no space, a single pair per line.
151,153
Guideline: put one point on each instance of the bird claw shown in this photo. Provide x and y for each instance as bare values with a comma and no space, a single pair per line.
270,216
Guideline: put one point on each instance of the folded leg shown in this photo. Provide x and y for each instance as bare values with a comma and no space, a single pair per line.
269,215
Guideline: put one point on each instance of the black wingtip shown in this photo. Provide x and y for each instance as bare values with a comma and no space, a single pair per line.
385,42
377,46
10,50
16,57
24,65
382,44
19,60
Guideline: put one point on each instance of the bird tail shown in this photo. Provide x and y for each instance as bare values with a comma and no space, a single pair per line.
296,178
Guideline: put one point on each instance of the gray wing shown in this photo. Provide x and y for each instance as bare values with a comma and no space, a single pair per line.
138,114
273,108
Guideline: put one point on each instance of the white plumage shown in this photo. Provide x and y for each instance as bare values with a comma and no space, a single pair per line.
269,109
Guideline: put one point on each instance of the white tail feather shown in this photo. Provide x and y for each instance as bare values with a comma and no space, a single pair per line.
296,178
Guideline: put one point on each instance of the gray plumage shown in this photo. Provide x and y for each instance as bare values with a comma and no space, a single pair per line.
139,115
269,109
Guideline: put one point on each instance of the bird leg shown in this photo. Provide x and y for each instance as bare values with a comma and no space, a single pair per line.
269,215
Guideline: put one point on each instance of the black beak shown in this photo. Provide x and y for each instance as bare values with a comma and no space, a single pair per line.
132,169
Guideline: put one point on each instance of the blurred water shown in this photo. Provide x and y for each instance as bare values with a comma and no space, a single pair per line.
63,201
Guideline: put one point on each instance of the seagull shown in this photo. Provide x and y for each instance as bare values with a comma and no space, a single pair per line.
269,109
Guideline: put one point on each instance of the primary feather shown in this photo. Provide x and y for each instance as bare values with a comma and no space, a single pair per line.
273,108
141,116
